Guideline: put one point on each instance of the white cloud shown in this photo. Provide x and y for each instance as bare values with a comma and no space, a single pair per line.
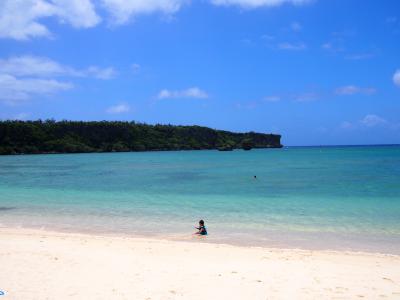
44,67
327,46
25,19
267,37
21,19
369,121
247,42
334,46
306,97
193,92
18,18
346,125
247,105
272,99
372,121
136,68
33,66
258,3
295,26
99,73
22,77
396,78
13,89
78,13
352,90
118,109
291,46
122,11
359,56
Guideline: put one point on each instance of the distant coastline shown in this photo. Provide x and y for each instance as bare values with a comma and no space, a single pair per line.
345,146
48,137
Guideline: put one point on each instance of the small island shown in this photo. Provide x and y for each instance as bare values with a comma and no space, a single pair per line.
34,137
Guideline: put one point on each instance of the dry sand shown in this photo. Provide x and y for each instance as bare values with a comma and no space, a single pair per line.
50,265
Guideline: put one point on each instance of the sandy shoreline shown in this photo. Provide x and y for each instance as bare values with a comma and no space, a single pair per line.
50,265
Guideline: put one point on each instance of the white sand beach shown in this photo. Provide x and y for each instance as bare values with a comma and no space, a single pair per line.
50,265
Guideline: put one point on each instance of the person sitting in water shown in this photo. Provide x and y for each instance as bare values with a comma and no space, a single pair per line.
201,229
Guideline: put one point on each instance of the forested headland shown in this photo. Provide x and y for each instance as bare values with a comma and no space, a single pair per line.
34,137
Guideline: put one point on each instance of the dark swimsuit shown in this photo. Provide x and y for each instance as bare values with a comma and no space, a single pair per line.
203,230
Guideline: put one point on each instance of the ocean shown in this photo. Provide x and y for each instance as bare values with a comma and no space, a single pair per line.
339,198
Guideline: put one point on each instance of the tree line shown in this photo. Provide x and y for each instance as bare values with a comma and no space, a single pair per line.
49,136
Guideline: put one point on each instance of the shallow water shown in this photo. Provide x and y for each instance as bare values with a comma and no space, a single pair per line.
329,198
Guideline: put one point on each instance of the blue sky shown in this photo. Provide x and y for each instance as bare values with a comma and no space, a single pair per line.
318,72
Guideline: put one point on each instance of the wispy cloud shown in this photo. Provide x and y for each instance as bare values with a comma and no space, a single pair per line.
124,11
136,68
368,121
344,33
258,3
353,90
28,65
359,56
346,125
267,37
13,89
326,45
373,120
310,95
273,42
118,109
247,105
336,43
273,98
22,77
292,46
100,73
23,19
193,92
333,46
296,26
396,78
306,97
35,66
247,42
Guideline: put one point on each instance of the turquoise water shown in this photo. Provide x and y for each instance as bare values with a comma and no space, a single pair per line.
329,198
